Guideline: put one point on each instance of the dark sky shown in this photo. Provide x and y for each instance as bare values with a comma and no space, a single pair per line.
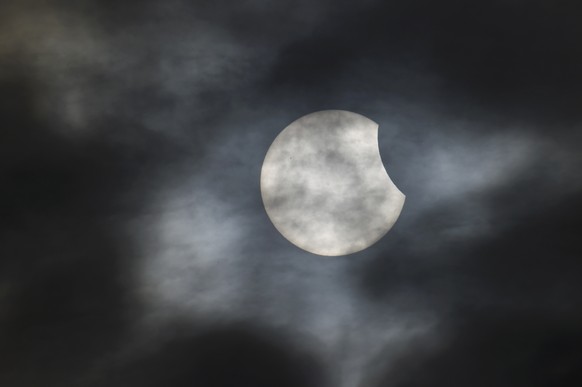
134,247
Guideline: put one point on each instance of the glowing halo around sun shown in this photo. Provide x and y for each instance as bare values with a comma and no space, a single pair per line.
324,185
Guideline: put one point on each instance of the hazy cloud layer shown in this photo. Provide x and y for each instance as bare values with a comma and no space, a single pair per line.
135,249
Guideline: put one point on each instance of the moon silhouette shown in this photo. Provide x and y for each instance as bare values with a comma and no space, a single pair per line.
324,186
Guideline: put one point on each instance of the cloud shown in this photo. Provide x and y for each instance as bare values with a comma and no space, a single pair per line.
133,136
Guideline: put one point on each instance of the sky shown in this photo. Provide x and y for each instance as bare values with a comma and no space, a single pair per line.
134,246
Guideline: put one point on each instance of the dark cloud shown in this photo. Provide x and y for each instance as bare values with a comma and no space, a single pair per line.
516,58
64,279
493,347
510,303
532,263
132,139
231,355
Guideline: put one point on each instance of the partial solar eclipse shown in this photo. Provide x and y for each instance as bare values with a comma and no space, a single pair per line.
324,186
